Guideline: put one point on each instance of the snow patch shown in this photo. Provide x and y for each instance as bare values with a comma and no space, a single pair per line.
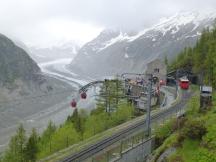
119,38
174,22
132,38
59,61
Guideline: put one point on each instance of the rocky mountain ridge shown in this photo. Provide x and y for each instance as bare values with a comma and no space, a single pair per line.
114,51
19,74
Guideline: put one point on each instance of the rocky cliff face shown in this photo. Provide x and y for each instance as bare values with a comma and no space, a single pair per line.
19,74
15,63
114,52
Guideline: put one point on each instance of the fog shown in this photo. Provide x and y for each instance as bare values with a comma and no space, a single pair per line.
48,22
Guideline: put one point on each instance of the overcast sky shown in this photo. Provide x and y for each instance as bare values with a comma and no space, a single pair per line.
47,22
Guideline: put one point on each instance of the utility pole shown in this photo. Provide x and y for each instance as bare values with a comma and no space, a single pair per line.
117,87
148,117
106,90
176,82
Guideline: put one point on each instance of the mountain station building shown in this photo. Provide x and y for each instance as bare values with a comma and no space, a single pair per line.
158,68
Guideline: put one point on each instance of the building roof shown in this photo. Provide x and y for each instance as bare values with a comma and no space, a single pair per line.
206,89
184,80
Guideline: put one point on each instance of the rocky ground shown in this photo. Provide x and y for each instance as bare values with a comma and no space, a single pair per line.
39,108
35,110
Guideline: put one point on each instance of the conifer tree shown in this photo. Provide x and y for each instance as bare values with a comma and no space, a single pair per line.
47,134
21,141
31,148
111,94
15,152
201,59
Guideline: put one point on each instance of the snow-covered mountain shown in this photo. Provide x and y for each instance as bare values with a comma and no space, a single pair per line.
64,50
114,51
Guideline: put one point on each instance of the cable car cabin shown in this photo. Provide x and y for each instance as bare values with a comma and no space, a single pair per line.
73,104
83,95
184,83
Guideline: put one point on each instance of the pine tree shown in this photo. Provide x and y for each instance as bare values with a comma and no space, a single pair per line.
31,148
77,120
21,141
15,152
201,59
47,134
11,153
110,97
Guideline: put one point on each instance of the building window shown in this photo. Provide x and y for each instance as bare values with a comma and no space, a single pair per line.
156,70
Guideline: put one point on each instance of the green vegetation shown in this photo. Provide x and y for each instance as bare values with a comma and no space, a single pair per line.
194,138
161,133
21,149
201,59
111,93
78,127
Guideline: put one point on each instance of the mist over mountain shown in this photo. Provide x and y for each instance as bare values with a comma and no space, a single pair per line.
67,50
54,52
114,51
19,74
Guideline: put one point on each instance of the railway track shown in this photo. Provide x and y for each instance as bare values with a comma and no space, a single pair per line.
93,149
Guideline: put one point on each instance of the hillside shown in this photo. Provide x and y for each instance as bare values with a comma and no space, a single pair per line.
115,51
19,74
15,62
201,59
192,138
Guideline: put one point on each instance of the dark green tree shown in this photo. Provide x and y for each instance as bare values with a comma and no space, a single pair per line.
15,152
110,97
21,141
47,134
31,148
201,59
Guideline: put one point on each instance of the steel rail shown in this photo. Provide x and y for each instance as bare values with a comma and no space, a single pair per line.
95,148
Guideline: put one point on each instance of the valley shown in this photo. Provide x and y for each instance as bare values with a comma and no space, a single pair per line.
70,88
36,111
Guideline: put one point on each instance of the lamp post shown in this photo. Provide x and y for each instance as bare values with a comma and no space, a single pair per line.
176,82
149,97
148,117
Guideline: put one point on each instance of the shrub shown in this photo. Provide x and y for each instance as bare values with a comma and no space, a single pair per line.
176,158
204,155
209,138
178,123
194,129
193,106
163,132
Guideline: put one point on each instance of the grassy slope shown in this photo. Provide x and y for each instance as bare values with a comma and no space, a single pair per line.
193,150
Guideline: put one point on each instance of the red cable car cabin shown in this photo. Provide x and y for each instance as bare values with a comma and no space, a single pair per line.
184,83
83,95
73,103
